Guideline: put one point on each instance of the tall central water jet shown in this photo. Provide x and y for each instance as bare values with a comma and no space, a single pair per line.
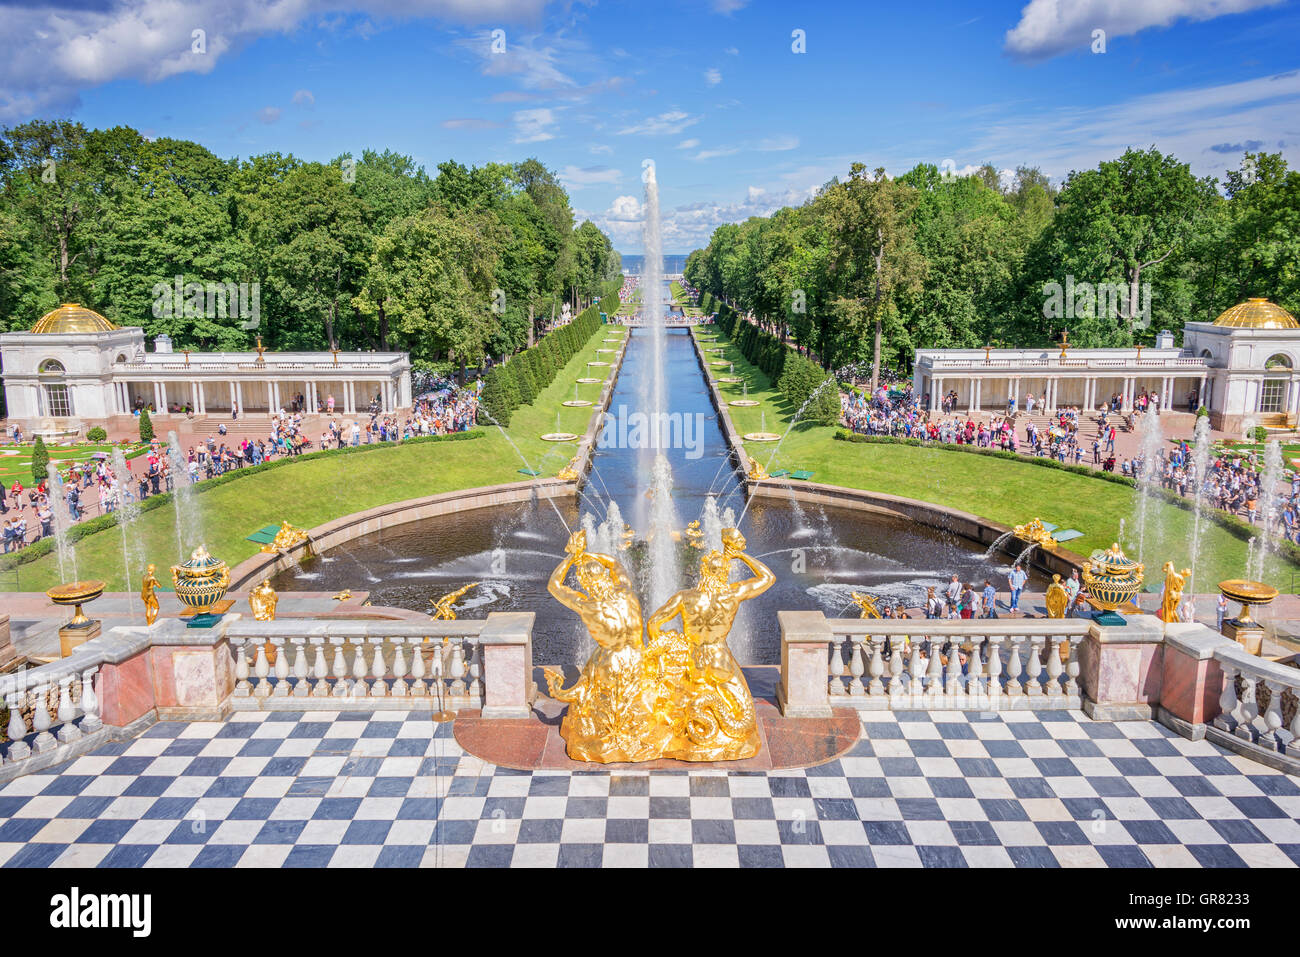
660,519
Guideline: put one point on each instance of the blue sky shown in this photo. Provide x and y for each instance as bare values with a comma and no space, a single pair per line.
736,121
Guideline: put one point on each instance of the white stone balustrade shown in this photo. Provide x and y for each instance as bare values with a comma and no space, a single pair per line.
1248,680
1011,665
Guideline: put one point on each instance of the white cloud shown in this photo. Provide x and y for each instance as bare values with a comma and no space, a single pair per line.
269,114
728,6
304,99
470,123
713,77
575,177
65,49
731,51
714,154
671,122
532,126
778,144
625,209
1051,27
688,144
600,148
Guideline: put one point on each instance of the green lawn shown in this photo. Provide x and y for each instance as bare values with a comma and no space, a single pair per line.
16,460
314,491
1004,491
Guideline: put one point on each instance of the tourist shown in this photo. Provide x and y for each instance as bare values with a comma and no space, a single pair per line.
953,591
1072,588
933,604
970,600
990,600
1016,580
1221,611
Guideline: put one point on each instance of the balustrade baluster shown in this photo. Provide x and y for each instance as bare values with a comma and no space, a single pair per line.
1247,708
399,669
319,670
90,720
339,669
457,669
418,685
897,682
281,666
358,687
994,683
300,670
934,674
475,671
1034,666
1072,668
1052,649
877,667
836,686
856,668
242,688
1273,717
378,670
68,731
41,721
17,730
974,671
261,668
1013,687
952,674
1226,719
917,687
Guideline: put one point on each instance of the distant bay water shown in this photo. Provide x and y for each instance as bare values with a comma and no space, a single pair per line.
674,263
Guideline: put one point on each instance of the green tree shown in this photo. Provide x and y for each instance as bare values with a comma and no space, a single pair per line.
40,460
146,426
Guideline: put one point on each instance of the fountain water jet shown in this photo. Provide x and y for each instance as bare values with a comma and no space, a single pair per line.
128,509
1200,464
67,556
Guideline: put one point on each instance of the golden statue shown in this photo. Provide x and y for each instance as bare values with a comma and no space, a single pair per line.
611,715
569,473
287,537
1174,582
701,693
148,596
866,603
344,595
1034,532
1057,598
262,600
756,470
442,610
694,535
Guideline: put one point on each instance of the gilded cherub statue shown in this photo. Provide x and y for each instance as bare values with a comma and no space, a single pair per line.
1057,598
569,473
693,534
866,603
442,610
702,693
610,717
756,470
262,601
148,595
1173,594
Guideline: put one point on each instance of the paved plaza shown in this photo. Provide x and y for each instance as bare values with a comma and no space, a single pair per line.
394,789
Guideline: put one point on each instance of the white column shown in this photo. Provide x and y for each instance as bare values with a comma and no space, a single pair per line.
275,396
350,400
239,397
979,394
970,399
233,400
936,394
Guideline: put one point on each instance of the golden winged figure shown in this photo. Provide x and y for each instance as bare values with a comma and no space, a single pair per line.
442,610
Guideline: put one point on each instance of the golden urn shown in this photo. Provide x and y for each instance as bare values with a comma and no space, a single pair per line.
76,594
1247,593
201,582
1111,578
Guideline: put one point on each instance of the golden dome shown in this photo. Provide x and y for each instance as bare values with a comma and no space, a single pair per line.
71,317
1257,314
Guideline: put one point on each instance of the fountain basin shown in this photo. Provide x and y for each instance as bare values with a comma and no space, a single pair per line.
729,379
743,403
588,380
597,363
761,437
559,436
606,351
720,362
576,403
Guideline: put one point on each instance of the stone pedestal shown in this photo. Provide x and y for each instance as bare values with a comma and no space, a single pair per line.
508,688
1121,669
805,650
70,636
1249,635
7,650
1191,678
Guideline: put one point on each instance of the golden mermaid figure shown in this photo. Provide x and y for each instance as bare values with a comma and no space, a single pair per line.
611,715
702,694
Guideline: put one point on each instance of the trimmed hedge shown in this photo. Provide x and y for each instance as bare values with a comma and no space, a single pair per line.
101,522
795,376
521,379
97,434
1231,524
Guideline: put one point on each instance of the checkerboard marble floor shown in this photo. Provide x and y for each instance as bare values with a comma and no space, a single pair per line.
392,789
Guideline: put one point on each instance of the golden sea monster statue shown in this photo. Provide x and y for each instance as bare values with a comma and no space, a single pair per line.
569,473
262,600
694,536
149,596
1057,598
442,610
611,715
866,603
756,470
1173,597
701,691
1034,532
287,537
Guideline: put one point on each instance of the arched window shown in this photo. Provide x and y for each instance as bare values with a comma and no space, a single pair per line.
51,367
56,400
1207,354
1278,362
121,358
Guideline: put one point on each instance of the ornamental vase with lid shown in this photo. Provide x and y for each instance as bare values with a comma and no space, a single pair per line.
202,581
1112,578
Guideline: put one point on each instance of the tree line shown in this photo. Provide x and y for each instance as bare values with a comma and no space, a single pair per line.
359,253
873,267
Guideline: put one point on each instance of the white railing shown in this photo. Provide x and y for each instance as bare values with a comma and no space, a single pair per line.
57,704
439,665
1069,363
897,664
1259,700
